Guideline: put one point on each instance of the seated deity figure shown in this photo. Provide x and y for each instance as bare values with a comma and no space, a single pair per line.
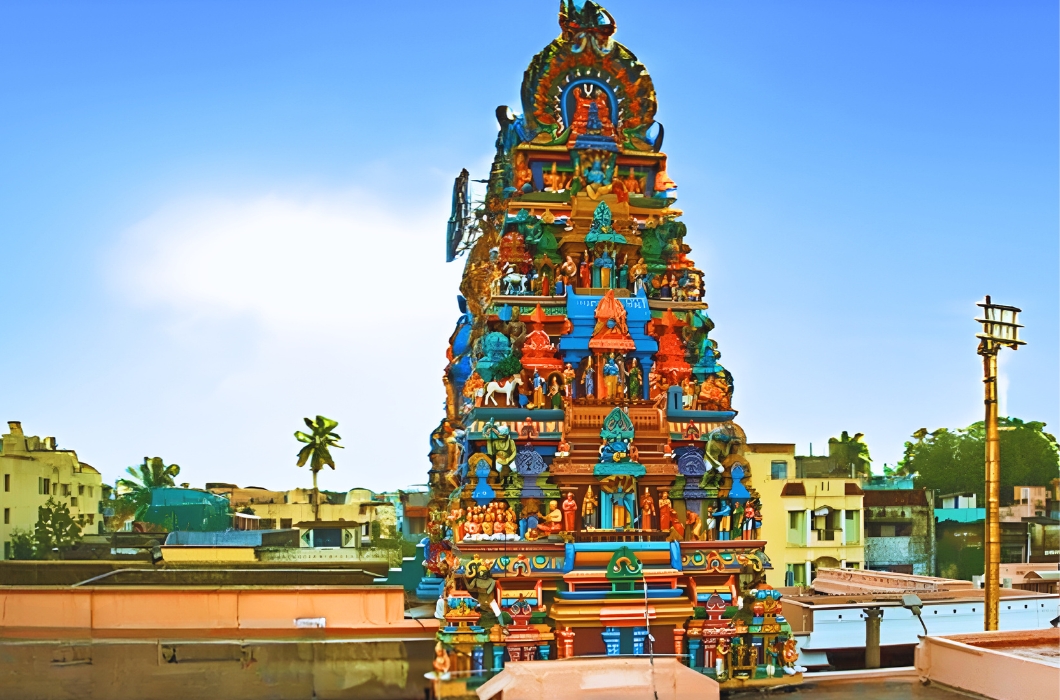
632,183
595,180
553,522
510,526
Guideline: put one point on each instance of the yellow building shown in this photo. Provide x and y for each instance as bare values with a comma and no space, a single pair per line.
284,509
34,469
810,521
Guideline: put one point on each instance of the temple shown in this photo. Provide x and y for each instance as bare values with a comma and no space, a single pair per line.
589,490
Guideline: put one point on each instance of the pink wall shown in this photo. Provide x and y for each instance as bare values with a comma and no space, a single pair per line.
376,609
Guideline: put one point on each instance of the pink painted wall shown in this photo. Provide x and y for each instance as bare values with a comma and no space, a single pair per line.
364,608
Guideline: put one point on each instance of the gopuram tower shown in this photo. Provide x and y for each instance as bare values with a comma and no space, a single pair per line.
590,493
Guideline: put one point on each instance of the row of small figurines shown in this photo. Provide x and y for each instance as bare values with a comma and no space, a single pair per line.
497,521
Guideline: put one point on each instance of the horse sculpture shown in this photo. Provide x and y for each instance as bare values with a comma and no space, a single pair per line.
515,283
506,388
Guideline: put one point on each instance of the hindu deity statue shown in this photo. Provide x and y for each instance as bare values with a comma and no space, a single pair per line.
589,510
570,509
611,377
647,510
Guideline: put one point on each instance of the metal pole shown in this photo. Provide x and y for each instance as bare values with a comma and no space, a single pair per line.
992,548
872,637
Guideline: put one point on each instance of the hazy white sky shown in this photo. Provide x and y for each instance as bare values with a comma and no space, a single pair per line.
219,218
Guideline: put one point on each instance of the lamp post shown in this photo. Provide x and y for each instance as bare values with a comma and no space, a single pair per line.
999,330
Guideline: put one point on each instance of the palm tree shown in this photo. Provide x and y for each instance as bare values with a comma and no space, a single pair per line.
317,451
152,474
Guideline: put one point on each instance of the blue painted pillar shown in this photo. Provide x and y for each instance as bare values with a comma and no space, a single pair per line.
543,651
498,657
693,651
646,363
639,635
611,637
477,658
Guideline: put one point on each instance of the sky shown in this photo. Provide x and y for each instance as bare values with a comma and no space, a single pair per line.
218,218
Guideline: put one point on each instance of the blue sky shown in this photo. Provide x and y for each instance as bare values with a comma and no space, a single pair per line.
217,218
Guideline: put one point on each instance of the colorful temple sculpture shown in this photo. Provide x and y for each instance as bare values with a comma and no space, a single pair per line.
590,493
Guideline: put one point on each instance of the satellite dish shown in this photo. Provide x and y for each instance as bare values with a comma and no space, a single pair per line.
454,233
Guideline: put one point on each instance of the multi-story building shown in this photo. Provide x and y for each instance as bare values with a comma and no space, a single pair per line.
820,521
33,470
285,509
900,531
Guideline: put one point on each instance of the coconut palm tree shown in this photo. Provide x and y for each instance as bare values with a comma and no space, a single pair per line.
317,451
152,474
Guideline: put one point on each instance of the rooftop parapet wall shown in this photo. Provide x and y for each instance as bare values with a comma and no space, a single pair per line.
105,611
1002,665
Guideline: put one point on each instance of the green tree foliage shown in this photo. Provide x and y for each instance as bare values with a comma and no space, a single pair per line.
21,544
953,461
153,473
317,451
849,453
508,367
56,530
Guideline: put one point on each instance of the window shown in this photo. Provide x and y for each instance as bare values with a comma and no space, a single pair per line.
90,492
796,527
44,486
81,490
7,482
73,501
779,470
7,516
66,489
91,518
888,529
853,527
286,523
7,550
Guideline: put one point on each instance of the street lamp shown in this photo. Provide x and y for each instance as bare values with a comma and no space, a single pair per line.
999,330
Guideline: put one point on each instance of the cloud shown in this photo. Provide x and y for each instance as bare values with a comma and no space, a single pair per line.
275,307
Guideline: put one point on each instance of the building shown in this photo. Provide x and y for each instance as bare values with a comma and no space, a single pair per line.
283,509
1027,502
411,511
820,523
34,470
830,623
900,531
589,460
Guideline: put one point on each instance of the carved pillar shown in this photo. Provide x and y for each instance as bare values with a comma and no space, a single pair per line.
565,645
498,657
543,651
679,642
639,634
693,651
477,659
